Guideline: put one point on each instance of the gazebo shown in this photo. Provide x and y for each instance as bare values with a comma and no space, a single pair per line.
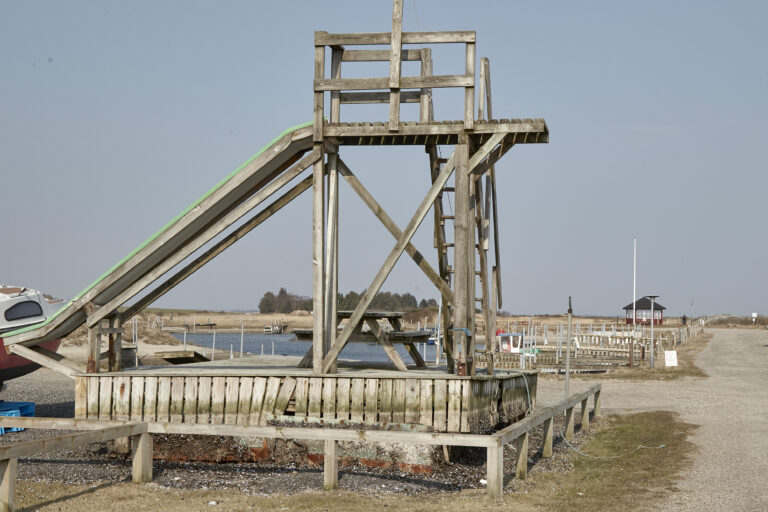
643,312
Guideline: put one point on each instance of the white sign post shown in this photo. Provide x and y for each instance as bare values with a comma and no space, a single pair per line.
754,317
670,358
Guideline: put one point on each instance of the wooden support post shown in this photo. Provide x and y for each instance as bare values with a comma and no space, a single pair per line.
318,269
317,128
389,264
331,465
585,414
569,420
94,350
426,70
549,430
394,65
336,57
598,405
495,471
521,465
115,351
331,254
469,92
141,453
8,470
464,296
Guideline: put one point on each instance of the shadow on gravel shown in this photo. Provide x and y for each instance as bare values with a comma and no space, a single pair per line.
63,499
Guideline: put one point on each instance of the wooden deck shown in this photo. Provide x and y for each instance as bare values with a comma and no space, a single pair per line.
243,392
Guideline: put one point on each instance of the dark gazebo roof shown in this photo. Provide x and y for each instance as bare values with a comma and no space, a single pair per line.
645,303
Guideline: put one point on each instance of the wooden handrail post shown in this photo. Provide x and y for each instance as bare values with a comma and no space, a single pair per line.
597,403
521,468
331,465
495,471
546,450
8,469
141,454
585,414
569,424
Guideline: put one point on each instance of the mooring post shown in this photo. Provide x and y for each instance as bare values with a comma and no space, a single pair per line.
495,471
8,469
585,414
521,466
331,465
546,450
141,453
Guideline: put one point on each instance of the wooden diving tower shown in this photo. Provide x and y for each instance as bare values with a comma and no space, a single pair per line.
454,398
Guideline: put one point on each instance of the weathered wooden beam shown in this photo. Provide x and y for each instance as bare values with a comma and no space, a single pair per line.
371,97
372,38
318,268
521,466
388,223
336,74
8,472
406,82
549,431
394,65
319,101
495,471
48,358
424,94
585,414
378,55
394,255
378,97
386,344
217,249
331,465
532,131
469,91
141,455
569,423
463,294
202,238
93,357
71,441
331,248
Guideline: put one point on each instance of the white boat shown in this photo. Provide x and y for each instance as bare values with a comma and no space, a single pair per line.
21,307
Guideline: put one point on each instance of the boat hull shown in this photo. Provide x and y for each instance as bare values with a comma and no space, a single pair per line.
13,366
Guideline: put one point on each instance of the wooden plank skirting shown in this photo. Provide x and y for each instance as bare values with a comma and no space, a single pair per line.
440,403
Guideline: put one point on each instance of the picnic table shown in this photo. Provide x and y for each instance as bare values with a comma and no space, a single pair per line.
377,334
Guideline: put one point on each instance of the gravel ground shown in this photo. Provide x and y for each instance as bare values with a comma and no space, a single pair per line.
54,395
731,406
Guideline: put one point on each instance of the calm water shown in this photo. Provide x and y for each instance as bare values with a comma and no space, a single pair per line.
287,345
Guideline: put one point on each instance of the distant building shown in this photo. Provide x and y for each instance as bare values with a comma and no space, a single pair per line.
643,312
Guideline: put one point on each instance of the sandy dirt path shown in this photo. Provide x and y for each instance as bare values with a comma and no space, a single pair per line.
730,467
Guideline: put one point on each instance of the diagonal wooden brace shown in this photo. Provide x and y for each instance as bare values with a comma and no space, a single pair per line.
388,223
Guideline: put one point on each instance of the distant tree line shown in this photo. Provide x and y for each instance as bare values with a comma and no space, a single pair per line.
286,302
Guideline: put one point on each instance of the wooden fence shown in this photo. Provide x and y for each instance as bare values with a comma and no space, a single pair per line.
440,402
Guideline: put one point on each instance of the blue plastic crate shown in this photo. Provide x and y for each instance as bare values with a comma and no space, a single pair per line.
16,409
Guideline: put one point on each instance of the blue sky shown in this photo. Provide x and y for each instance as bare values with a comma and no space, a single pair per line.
114,116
